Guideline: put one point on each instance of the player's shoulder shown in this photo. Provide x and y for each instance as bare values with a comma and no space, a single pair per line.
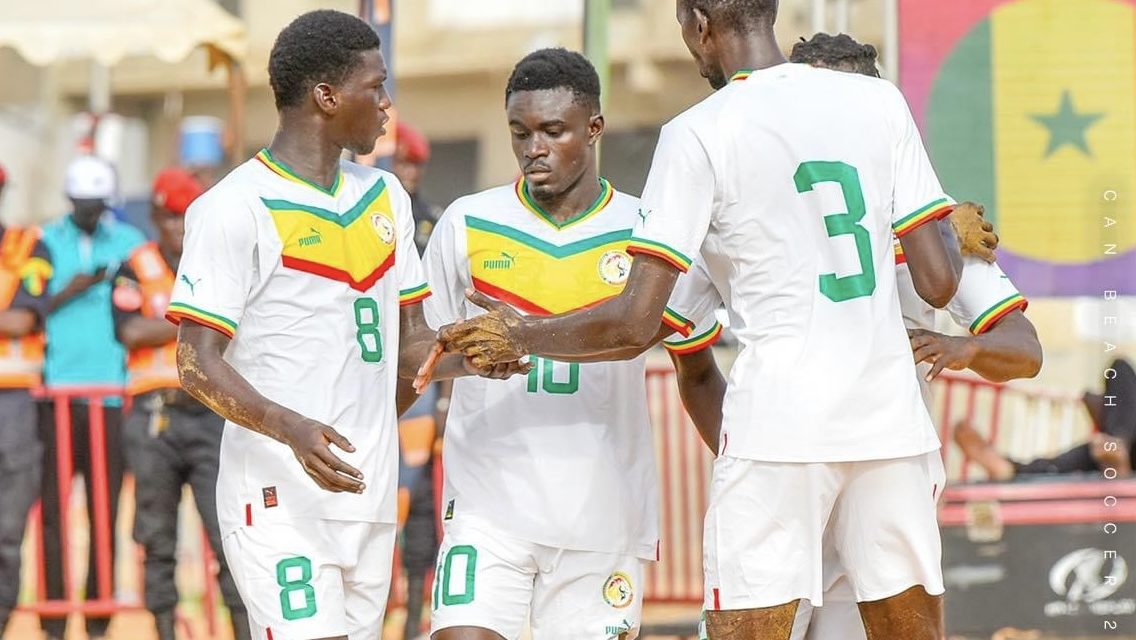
241,188
485,203
624,204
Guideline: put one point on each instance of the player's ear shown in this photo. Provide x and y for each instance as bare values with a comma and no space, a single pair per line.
702,24
596,126
326,98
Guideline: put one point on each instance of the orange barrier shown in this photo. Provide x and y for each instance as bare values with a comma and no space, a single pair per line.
103,602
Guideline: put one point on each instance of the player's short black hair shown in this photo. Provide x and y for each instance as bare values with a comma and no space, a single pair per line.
557,68
319,46
745,16
840,52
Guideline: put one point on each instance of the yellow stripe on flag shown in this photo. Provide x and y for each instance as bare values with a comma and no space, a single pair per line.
1045,99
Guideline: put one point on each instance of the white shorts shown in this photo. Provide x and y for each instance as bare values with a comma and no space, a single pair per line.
488,579
314,578
839,618
767,523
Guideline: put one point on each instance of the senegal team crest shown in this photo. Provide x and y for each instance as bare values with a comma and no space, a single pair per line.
618,591
384,227
614,267
1045,137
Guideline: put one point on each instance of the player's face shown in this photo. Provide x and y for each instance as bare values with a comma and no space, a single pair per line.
363,104
171,229
553,137
694,26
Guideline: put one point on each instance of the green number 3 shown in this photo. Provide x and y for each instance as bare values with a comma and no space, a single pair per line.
296,584
367,332
809,174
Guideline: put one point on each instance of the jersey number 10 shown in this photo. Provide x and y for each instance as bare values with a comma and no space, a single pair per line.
841,288
543,377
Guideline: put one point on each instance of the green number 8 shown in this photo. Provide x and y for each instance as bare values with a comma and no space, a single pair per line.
288,586
367,325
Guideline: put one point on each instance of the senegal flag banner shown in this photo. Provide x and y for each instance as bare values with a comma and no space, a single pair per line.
1029,107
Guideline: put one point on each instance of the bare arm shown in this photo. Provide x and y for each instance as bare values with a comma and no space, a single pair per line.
139,332
1008,351
622,327
206,375
933,272
702,388
17,323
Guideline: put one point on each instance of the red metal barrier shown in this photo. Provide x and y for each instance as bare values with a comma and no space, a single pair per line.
103,602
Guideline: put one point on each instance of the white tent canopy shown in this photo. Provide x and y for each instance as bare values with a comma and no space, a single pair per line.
47,31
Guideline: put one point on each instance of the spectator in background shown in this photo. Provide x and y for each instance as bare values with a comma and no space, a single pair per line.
1112,445
420,536
412,152
24,270
85,247
178,438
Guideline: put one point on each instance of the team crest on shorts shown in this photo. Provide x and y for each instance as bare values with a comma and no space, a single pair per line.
614,267
384,227
618,591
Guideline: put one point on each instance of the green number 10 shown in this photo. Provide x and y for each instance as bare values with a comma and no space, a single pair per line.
541,376
809,174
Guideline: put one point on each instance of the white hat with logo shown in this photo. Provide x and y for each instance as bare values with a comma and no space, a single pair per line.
90,178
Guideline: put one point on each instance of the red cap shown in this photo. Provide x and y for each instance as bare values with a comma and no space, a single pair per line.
412,144
175,188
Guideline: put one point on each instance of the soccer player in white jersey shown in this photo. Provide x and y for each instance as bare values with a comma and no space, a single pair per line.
549,507
1003,344
299,280
789,182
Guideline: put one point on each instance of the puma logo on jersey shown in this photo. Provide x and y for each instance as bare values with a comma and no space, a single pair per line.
313,239
505,262
613,632
192,284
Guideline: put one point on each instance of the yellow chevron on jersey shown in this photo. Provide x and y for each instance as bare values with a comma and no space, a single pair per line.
356,247
539,277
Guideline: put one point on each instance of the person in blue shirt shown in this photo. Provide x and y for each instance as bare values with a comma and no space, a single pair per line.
86,249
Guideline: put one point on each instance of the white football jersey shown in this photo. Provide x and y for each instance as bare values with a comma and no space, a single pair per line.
307,282
985,295
563,456
790,182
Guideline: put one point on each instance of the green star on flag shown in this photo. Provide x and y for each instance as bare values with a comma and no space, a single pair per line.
1067,126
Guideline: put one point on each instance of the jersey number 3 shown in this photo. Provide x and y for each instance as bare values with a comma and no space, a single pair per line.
841,288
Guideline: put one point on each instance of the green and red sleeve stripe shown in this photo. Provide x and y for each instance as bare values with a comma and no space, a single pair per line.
414,294
178,311
912,221
676,321
661,251
696,343
992,315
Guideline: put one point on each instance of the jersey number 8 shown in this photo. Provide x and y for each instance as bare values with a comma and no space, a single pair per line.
841,288
367,331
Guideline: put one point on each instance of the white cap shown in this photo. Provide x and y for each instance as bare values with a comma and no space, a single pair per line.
90,178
